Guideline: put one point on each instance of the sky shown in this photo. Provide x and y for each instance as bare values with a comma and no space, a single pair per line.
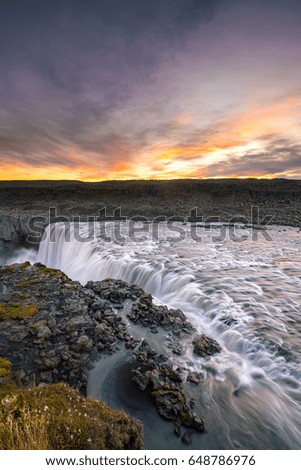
129,89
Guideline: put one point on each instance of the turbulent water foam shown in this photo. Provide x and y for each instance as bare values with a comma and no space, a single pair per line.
243,291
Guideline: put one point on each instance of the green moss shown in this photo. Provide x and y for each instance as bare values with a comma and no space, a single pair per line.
58,417
28,283
56,273
53,272
9,268
15,310
25,265
12,267
5,367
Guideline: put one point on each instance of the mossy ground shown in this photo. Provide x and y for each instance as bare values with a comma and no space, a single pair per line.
17,310
25,283
5,367
58,417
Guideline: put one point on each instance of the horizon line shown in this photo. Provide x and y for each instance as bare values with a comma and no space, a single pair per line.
259,178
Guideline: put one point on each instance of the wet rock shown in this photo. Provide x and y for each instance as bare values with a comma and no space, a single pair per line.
169,403
80,321
144,312
198,423
100,329
165,385
174,375
50,363
177,429
177,350
204,346
99,304
83,344
51,322
186,438
193,377
15,333
41,329
115,290
142,380
115,297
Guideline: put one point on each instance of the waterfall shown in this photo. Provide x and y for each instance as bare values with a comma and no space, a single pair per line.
245,295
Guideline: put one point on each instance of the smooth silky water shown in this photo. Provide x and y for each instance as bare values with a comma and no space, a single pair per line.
244,291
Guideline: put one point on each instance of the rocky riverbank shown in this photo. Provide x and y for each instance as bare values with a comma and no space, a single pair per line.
53,330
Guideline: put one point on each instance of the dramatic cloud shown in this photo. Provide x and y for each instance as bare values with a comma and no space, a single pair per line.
280,158
96,89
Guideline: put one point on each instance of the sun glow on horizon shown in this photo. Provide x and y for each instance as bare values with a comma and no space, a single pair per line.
235,140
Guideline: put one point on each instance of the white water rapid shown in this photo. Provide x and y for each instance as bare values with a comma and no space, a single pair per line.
246,294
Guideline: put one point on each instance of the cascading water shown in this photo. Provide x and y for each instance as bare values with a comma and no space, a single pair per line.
245,294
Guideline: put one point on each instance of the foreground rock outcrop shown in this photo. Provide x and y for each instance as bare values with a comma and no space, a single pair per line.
53,329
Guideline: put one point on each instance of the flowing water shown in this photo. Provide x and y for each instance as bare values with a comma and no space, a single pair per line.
242,289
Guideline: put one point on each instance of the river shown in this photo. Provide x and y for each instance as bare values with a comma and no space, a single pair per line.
240,287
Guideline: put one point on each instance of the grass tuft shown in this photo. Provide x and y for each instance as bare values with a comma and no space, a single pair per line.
58,417
5,367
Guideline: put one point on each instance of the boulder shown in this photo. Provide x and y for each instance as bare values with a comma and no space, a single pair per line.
204,346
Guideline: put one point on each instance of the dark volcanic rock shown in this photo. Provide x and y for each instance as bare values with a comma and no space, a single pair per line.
205,346
49,328
153,372
114,290
53,329
145,313
165,384
186,438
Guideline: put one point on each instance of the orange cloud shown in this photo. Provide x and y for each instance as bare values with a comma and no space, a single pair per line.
235,137
238,135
